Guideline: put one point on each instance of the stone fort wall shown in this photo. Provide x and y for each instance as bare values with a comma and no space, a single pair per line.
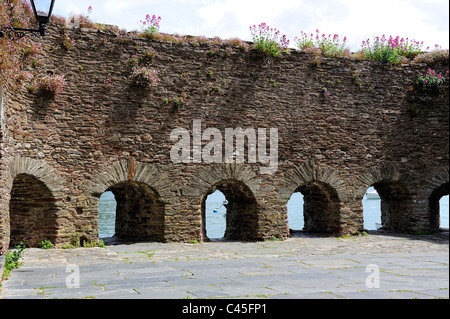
103,133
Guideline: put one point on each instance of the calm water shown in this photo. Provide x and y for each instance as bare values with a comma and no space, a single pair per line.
371,208
215,222
107,215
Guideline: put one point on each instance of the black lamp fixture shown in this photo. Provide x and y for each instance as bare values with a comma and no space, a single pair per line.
42,12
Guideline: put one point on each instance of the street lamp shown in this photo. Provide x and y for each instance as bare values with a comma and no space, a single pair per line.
42,12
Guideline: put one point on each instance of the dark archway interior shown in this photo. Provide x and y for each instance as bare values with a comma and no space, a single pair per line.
139,212
434,199
395,205
242,211
321,208
33,212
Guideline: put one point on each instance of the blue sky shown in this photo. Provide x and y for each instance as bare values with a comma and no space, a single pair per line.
423,20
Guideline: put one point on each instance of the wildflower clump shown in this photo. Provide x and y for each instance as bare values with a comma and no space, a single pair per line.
268,40
150,25
51,85
144,77
15,55
329,46
390,50
431,80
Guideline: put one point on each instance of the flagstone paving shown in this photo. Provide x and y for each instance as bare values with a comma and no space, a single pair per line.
304,266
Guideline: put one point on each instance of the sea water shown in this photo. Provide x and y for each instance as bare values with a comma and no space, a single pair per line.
107,215
216,213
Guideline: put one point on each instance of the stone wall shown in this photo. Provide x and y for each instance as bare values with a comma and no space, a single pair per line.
102,133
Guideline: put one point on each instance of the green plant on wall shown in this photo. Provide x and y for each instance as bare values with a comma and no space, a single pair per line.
431,80
335,46
393,50
12,259
46,244
427,85
413,109
15,56
177,102
150,26
268,40
145,77
51,84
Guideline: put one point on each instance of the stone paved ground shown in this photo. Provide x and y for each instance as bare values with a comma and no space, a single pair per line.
305,266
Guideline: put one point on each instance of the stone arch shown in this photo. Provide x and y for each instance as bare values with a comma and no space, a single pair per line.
38,169
437,187
127,171
394,190
241,187
213,174
323,192
311,172
36,192
141,194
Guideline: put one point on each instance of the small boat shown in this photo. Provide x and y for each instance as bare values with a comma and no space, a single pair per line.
378,226
216,210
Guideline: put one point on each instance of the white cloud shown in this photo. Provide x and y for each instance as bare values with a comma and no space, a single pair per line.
234,17
425,20
246,11
398,18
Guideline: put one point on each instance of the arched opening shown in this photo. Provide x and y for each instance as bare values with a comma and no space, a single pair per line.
295,212
33,212
139,214
438,202
394,206
242,211
372,209
321,208
107,206
444,211
215,215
